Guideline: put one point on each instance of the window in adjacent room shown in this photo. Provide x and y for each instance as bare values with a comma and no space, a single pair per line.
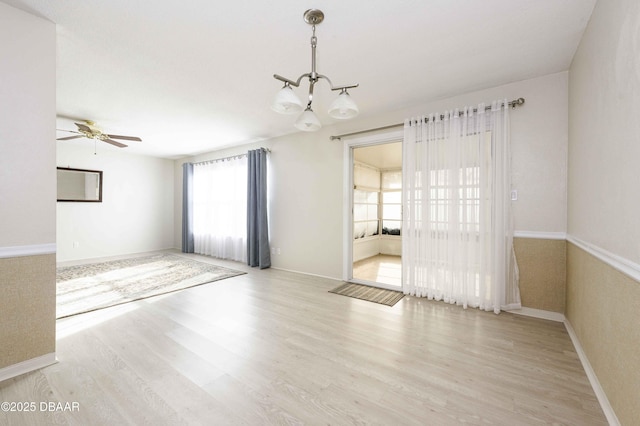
366,219
391,202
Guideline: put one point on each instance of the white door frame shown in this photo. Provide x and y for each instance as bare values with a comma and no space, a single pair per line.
347,197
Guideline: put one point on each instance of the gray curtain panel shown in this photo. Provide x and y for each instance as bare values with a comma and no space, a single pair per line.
258,252
187,208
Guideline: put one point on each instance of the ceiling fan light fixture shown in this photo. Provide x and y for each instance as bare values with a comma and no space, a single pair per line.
343,107
308,122
90,131
286,101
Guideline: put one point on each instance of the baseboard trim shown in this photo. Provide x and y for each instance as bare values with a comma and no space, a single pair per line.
30,250
307,273
540,235
619,263
539,313
27,366
593,379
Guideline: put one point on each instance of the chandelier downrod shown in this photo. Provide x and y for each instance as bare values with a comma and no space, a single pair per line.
314,44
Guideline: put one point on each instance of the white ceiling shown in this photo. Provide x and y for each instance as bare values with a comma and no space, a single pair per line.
383,156
194,76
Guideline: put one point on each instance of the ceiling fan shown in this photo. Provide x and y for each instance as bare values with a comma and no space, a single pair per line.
89,130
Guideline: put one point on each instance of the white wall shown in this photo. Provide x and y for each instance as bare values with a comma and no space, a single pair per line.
391,245
27,129
366,247
306,175
604,203
136,213
372,246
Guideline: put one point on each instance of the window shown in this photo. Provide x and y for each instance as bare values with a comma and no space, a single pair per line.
365,213
366,200
391,202
457,242
456,191
377,201
220,209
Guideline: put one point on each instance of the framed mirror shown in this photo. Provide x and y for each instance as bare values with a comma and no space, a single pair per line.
79,185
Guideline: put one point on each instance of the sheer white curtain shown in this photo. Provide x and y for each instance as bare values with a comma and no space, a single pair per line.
220,208
457,227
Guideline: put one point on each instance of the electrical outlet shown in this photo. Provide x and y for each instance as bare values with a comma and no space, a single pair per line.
279,250
76,244
514,195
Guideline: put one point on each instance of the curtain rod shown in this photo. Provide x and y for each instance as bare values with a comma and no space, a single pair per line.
231,157
514,103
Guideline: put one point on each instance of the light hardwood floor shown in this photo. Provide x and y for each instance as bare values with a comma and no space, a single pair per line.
382,268
274,347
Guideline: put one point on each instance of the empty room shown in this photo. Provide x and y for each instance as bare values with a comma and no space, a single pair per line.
398,213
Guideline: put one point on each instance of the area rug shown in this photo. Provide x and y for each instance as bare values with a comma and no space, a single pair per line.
85,288
371,294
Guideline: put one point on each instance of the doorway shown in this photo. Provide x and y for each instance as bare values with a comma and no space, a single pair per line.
375,213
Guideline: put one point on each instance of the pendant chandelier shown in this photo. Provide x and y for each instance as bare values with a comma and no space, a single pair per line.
286,101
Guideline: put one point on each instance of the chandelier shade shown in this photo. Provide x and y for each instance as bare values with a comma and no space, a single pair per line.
286,101
343,107
308,122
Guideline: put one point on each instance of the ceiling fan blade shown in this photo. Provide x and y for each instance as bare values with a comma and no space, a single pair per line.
83,127
71,137
112,142
126,138
68,131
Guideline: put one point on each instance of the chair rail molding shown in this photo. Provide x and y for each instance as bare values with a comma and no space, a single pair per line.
27,250
619,263
542,235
